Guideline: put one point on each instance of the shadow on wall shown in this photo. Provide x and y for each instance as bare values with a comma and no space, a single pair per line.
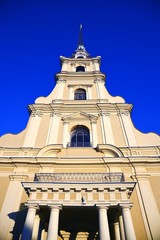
19,218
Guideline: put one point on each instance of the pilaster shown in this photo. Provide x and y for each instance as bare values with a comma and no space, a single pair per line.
65,139
151,212
53,128
32,129
94,132
11,205
106,128
127,127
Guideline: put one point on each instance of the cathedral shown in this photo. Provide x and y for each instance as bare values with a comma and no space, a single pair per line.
80,170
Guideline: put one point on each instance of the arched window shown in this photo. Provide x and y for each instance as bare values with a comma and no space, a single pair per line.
80,94
80,137
80,69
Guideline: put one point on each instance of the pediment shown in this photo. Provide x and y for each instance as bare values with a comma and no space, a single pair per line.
80,114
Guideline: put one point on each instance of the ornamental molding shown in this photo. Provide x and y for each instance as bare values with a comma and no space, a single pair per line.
55,188
61,81
79,85
37,113
55,114
72,60
83,114
18,177
125,113
77,63
104,114
99,80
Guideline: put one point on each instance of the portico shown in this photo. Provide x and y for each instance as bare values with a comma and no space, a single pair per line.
70,203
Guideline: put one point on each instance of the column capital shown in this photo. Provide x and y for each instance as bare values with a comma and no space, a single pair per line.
102,206
55,206
33,206
125,205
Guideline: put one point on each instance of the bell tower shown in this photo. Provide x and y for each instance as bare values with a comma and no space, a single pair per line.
80,169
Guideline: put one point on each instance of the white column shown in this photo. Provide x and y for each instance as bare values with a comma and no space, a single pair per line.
53,128
53,223
29,222
121,228
149,204
32,129
65,134
94,132
128,224
103,223
116,230
36,227
10,205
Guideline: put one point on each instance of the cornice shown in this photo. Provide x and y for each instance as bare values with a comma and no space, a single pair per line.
66,74
77,160
94,59
80,85
120,108
145,154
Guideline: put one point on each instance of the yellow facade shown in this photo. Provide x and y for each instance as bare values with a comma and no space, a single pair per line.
80,169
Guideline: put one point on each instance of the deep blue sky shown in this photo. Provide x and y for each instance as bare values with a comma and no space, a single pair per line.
33,34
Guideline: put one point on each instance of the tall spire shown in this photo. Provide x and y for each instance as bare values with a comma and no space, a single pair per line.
80,51
80,39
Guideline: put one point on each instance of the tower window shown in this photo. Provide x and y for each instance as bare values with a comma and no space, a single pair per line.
80,94
80,69
80,137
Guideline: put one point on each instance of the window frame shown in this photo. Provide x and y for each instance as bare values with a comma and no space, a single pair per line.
80,137
80,94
